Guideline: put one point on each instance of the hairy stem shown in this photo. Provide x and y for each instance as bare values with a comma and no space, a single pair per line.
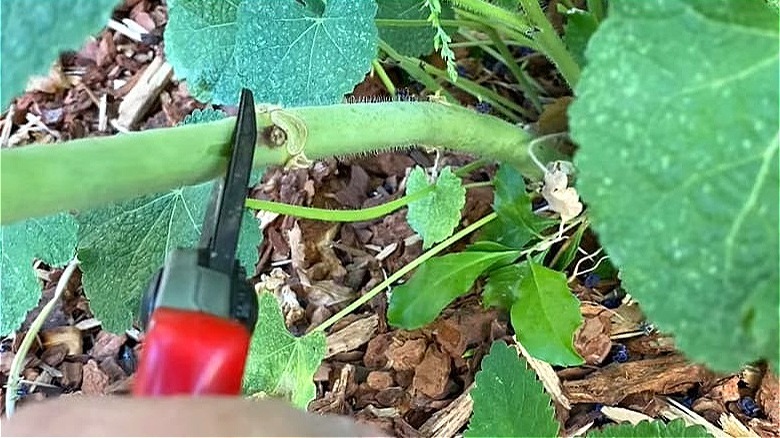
14,375
38,180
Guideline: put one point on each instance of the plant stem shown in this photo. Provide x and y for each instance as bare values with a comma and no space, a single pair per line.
520,76
392,22
37,180
495,13
403,271
29,337
380,71
411,66
496,100
468,168
323,214
551,43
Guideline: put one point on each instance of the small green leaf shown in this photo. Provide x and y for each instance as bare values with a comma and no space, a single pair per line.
279,364
651,429
282,50
34,32
435,216
409,41
546,315
516,224
50,239
689,213
437,283
503,285
580,25
508,398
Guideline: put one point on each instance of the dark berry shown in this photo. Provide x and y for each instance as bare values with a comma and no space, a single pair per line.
687,401
592,280
22,391
462,71
614,299
483,107
619,353
749,407
126,359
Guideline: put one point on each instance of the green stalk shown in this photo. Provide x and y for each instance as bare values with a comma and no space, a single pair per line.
324,214
514,68
551,43
380,71
520,39
496,100
14,374
392,22
403,271
495,13
411,66
39,180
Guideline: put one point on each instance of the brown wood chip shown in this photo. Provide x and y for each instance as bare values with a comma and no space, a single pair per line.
106,344
67,335
610,385
379,380
94,381
406,355
433,373
592,338
54,355
768,396
375,351
71,374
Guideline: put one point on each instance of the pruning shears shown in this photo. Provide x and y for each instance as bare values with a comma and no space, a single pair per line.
199,310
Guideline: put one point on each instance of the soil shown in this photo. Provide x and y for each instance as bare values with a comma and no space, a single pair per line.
407,383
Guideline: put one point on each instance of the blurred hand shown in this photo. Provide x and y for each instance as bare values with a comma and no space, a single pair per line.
174,416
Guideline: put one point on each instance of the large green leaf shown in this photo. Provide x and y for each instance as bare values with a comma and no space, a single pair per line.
546,315
409,41
34,32
284,51
279,364
508,399
122,245
51,239
654,429
437,283
435,216
678,161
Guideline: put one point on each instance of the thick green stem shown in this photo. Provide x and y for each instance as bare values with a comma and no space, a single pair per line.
39,180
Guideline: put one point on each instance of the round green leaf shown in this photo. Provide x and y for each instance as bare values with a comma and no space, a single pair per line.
678,161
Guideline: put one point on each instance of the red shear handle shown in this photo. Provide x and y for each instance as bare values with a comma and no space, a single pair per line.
188,352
